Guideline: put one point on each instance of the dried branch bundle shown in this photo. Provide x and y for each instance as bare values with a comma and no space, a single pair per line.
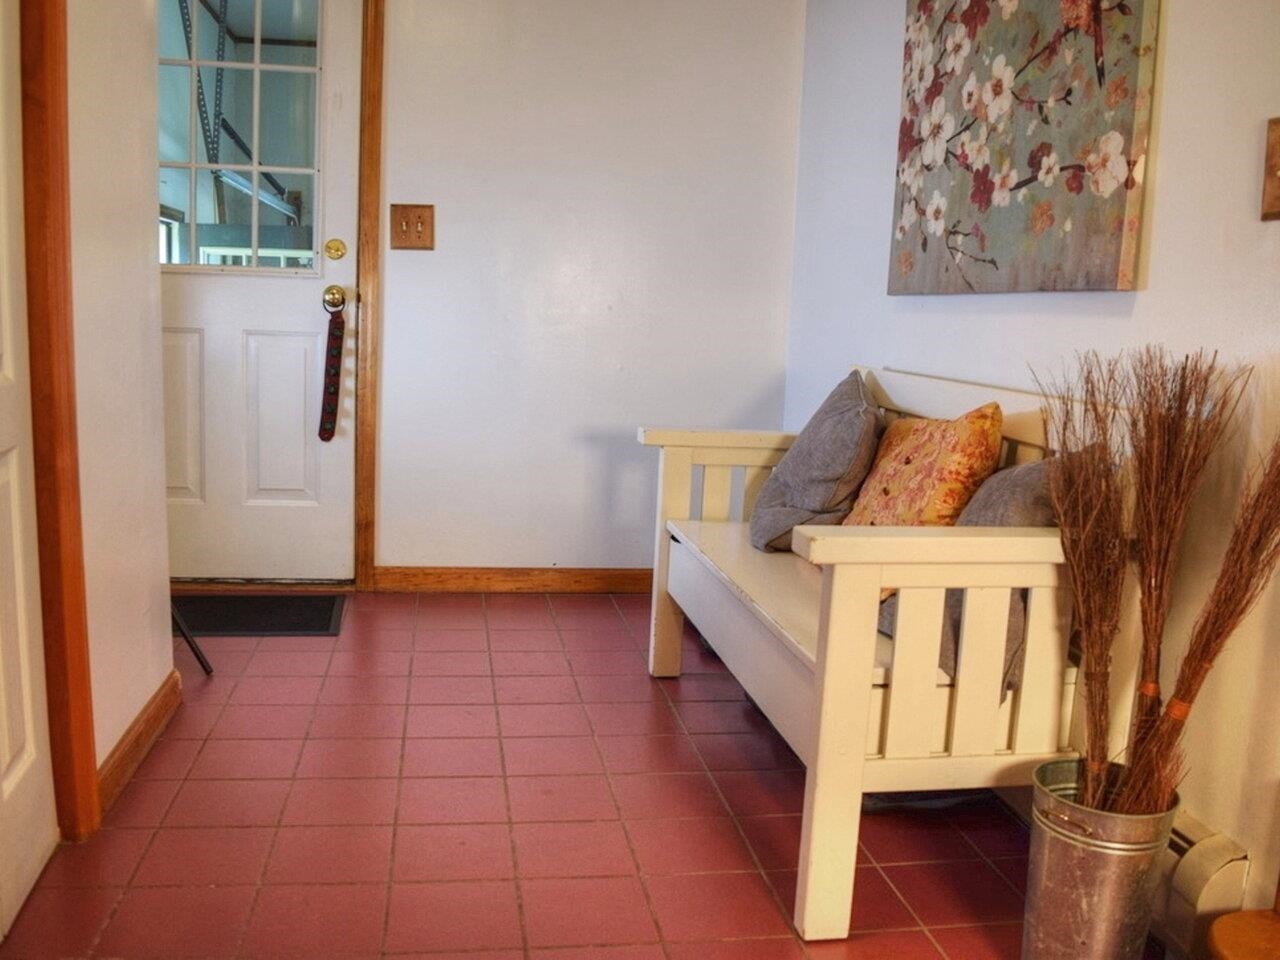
1177,412
1251,558
1082,419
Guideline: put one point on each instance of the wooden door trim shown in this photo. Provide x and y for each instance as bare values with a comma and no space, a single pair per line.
46,163
369,288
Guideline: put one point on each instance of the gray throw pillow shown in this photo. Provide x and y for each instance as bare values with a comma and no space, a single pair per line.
818,478
1013,497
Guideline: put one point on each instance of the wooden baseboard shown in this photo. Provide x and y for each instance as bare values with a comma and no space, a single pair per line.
115,771
200,588
512,580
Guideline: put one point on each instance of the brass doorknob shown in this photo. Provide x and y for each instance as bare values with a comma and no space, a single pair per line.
335,298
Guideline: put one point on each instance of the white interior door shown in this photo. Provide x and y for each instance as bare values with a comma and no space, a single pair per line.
258,149
28,821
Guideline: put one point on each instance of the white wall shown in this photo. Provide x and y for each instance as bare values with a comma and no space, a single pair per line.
1212,278
614,188
116,291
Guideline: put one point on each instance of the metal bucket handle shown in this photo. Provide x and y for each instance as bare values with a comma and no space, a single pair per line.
1082,828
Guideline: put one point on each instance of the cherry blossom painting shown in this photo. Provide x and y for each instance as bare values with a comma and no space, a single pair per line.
1022,145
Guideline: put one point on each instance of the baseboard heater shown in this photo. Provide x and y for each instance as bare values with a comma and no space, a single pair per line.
1203,875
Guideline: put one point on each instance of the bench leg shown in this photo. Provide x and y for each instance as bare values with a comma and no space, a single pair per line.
828,857
666,629
833,783
666,620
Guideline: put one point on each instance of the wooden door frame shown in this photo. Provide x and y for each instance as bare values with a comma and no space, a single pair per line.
46,161
369,289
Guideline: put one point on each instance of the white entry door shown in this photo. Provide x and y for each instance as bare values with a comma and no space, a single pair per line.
28,821
258,151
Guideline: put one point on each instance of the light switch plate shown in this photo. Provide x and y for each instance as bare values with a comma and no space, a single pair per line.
413,226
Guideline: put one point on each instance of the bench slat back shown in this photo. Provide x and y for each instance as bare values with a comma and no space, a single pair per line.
917,395
914,672
975,705
1044,672
717,492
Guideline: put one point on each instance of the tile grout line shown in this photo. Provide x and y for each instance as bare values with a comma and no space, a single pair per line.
640,878
787,915
989,861
927,930
155,829
521,918
912,910
242,941
981,857
395,812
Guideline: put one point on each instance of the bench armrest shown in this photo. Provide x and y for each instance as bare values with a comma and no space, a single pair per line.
927,545
733,439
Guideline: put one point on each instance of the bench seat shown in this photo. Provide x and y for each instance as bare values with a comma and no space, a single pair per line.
782,589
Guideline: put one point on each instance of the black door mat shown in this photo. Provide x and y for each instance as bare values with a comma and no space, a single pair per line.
294,615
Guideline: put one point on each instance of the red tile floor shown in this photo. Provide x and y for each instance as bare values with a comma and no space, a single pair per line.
494,778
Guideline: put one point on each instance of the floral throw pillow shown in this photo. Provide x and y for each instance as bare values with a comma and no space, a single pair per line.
925,471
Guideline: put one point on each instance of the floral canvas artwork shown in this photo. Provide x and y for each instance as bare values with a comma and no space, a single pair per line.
1022,145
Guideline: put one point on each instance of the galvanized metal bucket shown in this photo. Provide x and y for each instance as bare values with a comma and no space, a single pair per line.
1092,874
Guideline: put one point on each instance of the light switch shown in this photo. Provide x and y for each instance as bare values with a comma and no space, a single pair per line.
413,226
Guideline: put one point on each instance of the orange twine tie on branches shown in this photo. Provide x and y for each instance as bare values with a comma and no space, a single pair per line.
1149,689
1178,709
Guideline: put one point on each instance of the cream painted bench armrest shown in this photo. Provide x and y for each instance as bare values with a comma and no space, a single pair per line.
927,545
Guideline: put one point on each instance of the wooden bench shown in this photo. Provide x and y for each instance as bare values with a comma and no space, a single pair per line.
865,713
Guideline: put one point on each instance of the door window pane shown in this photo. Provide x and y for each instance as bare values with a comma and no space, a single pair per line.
226,38
290,29
224,218
287,117
175,113
175,215
172,38
228,97
286,218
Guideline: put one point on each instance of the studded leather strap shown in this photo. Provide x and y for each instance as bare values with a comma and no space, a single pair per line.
329,401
